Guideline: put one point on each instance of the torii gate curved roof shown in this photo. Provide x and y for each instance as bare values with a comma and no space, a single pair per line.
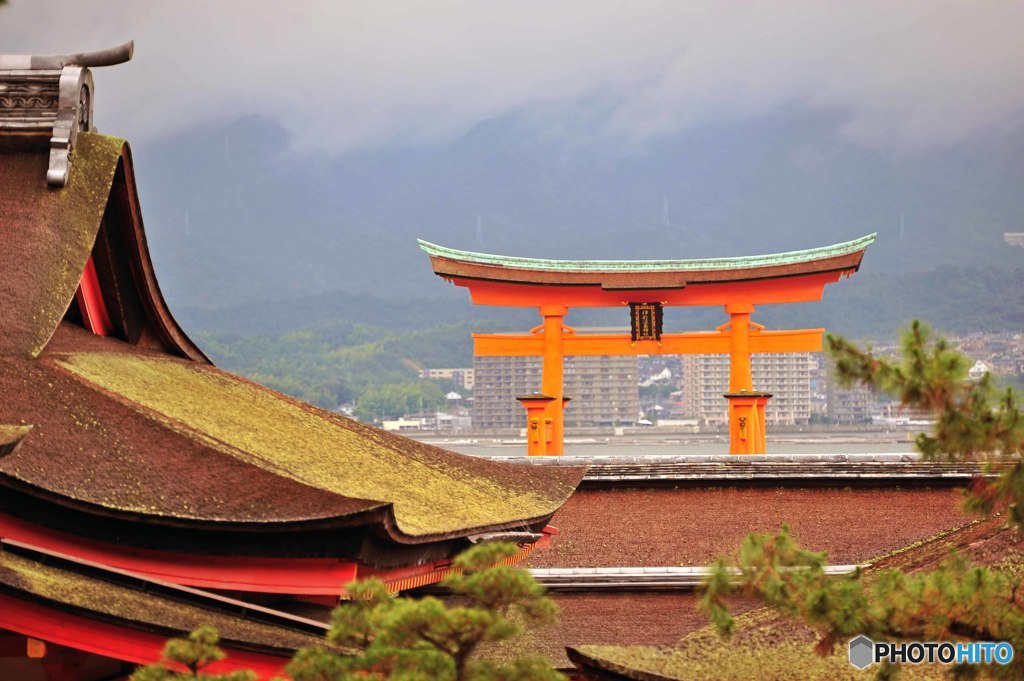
795,276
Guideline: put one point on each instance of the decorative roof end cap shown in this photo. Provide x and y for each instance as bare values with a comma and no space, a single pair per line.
53,94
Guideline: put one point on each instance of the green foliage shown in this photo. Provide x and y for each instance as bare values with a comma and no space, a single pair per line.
404,639
195,653
955,600
331,363
938,604
658,391
973,418
395,399
391,638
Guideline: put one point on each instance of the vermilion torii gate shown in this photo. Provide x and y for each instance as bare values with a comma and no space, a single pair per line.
738,284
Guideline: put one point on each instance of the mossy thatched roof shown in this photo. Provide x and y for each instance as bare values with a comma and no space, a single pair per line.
11,437
127,429
46,236
432,491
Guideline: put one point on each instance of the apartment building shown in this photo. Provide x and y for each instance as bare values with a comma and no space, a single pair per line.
787,376
604,390
461,376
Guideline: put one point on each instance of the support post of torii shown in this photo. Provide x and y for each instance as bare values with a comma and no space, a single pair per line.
552,382
553,286
747,426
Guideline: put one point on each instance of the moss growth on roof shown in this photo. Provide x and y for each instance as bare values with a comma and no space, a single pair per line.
89,447
763,655
433,491
68,220
136,608
11,436
743,262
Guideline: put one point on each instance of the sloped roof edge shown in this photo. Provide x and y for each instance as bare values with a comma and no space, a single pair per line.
743,262
142,267
49,234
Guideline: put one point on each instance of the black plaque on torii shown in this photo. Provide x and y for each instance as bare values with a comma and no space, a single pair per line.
645,320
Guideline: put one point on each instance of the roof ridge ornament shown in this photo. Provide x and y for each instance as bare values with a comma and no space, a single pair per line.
53,93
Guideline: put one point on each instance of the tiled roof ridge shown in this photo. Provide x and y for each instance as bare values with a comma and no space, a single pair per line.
52,96
728,263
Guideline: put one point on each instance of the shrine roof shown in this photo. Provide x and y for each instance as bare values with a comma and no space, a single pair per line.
655,526
48,234
661,526
130,428
140,427
769,645
730,263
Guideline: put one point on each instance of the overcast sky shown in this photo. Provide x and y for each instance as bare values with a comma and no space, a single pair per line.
343,75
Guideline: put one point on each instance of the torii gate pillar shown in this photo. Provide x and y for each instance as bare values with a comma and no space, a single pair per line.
747,427
552,378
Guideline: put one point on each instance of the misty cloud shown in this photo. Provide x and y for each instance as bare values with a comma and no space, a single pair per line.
347,75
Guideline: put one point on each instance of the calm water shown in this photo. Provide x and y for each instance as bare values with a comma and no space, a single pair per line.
614,448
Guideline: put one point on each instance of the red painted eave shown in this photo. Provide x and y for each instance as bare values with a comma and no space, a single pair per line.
114,641
302,576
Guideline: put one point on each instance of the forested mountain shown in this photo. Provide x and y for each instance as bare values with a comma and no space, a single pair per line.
303,272
235,217
336,359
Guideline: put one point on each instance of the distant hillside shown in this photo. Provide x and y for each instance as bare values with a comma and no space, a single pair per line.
233,217
870,304
329,361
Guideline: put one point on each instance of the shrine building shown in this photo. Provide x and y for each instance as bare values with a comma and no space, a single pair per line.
143,491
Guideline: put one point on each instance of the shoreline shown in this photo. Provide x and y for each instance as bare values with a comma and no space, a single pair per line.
660,444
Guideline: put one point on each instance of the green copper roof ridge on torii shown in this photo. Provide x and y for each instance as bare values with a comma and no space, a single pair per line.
741,262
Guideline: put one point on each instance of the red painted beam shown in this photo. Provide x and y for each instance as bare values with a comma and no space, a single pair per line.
306,576
90,302
113,641
600,344
795,289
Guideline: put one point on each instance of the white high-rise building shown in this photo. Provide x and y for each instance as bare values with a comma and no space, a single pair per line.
786,375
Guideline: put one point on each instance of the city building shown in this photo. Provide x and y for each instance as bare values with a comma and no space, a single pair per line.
604,390
460,376
855,404
787,376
